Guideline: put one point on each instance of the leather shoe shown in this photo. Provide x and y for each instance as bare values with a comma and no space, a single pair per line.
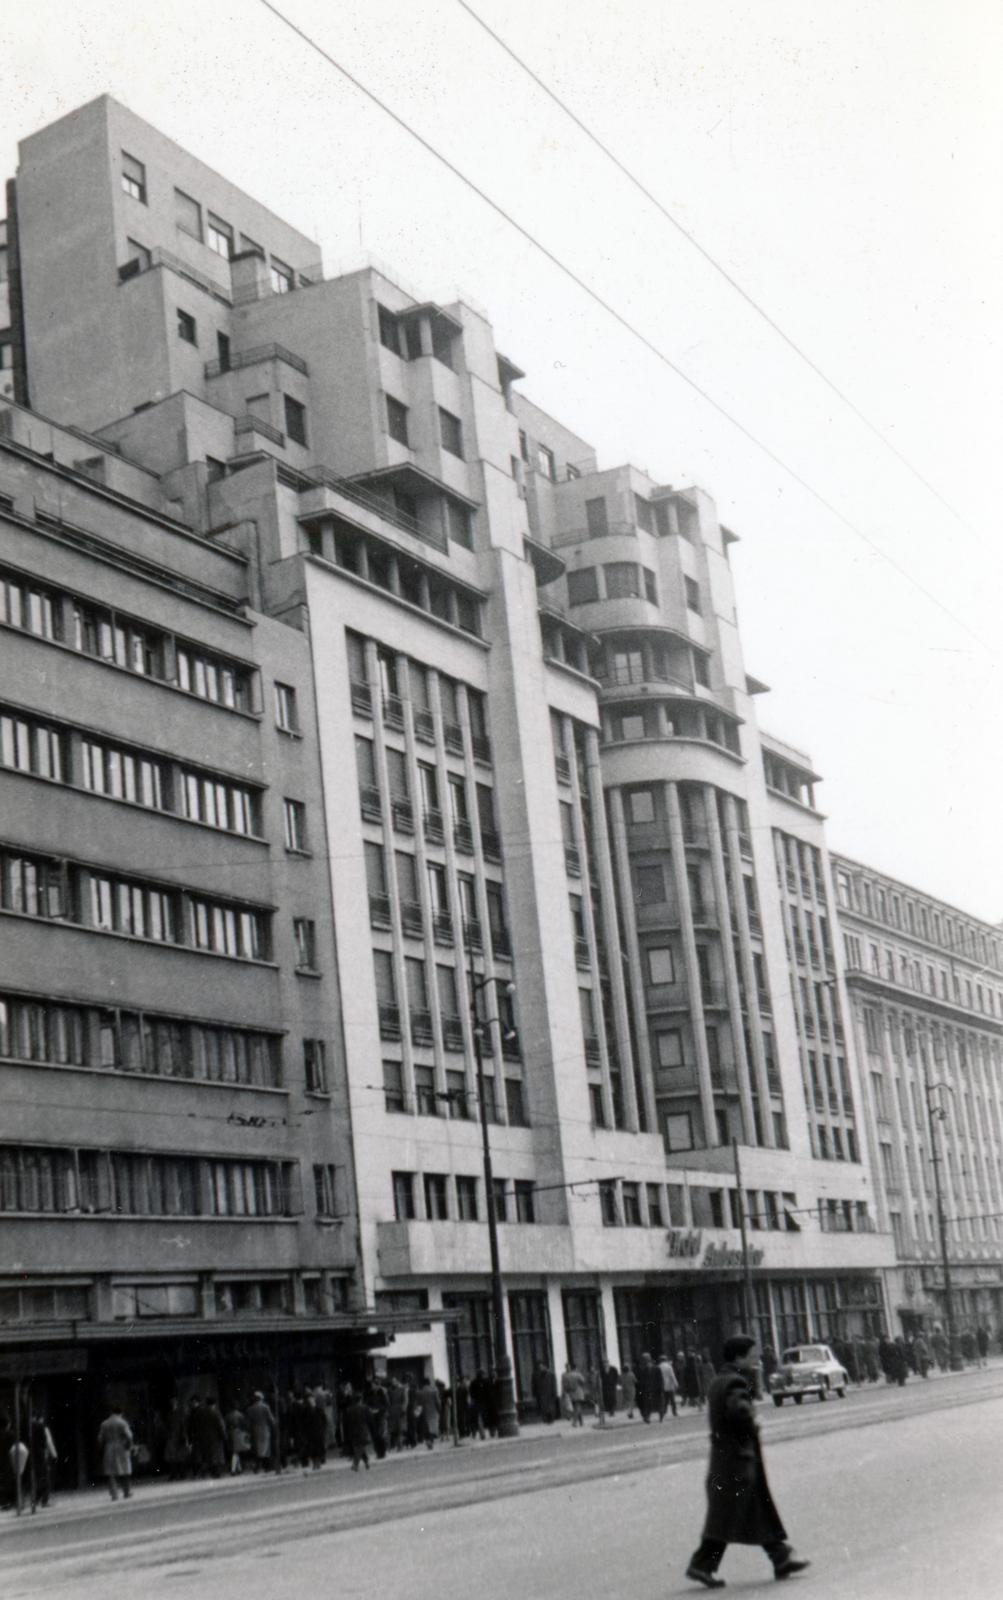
708,1579
788,1568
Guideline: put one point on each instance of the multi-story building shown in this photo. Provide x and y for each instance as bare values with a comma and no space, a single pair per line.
528,796
926,989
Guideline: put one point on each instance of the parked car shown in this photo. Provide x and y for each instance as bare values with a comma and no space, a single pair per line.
808,1369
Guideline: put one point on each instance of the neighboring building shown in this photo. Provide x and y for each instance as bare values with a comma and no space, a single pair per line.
926,985
524,753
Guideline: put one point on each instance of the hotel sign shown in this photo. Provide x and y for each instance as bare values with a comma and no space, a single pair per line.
687,1245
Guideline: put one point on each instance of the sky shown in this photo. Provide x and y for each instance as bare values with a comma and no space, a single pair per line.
844,164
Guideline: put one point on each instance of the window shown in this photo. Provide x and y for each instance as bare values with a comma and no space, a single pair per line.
622,580
219,236
295,420
596,518
27,745
701,670
325,1190
545,462
692,589
458,524
669,1048
305,944
112,637
653,1194
450,433
499,1193
466,1198
6,347
644,514
217,803
213,678
641,805
631,1201
608,1208
315,1066
393,1086
403,1185
436,1197
515,1104
281,276
679,1131
134,177
524,1196
389,328
229,930
121,774
294,824
187,214
661,968
650,586
583,586
285,708
649,885
187,330
23,605
397,420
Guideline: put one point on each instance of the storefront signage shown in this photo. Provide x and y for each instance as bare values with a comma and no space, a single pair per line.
722,1255
962,1277
684,1243
39,1364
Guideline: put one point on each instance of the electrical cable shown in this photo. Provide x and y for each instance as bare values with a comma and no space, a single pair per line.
716,265
624,322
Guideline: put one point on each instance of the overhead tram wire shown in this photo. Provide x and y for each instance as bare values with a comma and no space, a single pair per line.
716,265
624,322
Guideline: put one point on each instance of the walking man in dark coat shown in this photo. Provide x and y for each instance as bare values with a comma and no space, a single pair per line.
740,1508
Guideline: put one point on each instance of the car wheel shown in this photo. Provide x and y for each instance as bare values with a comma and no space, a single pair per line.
841,1391
778,1399
823,1393
798,1399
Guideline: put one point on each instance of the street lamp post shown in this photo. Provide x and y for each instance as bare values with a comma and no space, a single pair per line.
508,1419
934,1115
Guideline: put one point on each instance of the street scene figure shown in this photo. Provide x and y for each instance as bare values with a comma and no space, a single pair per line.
115,1446
740,1508
573,1395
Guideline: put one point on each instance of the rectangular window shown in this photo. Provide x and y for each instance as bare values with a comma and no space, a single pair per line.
631,1200
466,1198
187,214
583,586
515,1103
679,1131
661,968
134,177
450,433
285,708
403,1185
216,802
649,885
545,462
436,1197
650,586
622,580
213,678
315,1066
187,328
229,930
294,825
458,524
644,514
280,276
692,589
324,1190
389,328
219,236
24,605
295,420
27,745
524,1197
653,1194
669,1048
397,420
608,1208
393,1086
305,944
641,805
596,518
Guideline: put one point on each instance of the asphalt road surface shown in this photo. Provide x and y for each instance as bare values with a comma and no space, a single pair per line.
894,1495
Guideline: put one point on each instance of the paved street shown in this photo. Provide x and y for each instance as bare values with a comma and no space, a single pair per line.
894,1495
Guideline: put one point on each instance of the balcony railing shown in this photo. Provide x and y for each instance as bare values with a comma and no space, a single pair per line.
582,958
393,711
412,921
501,944
463,838
452,1032
593,1052
511,1048
490,844
442,927
251,358
160,257
755,923
473,937
369,802
563,768
382,507
421,1026
745,845
379,910
390,1020
403,815
362,697
624,677
249,424
481,747
424,726
573,860
452,738
433,825
765,1003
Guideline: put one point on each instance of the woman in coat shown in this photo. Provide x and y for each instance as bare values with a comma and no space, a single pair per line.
628,1384
115,1445
261,1425
427,1400
740,1508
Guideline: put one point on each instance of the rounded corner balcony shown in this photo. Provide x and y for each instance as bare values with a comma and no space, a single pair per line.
638,718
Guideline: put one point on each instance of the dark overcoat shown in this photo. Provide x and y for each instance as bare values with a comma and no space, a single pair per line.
740,1508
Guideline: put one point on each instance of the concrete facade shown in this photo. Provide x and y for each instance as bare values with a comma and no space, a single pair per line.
526,755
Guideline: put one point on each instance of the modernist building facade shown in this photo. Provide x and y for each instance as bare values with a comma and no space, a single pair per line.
926,990
345,688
